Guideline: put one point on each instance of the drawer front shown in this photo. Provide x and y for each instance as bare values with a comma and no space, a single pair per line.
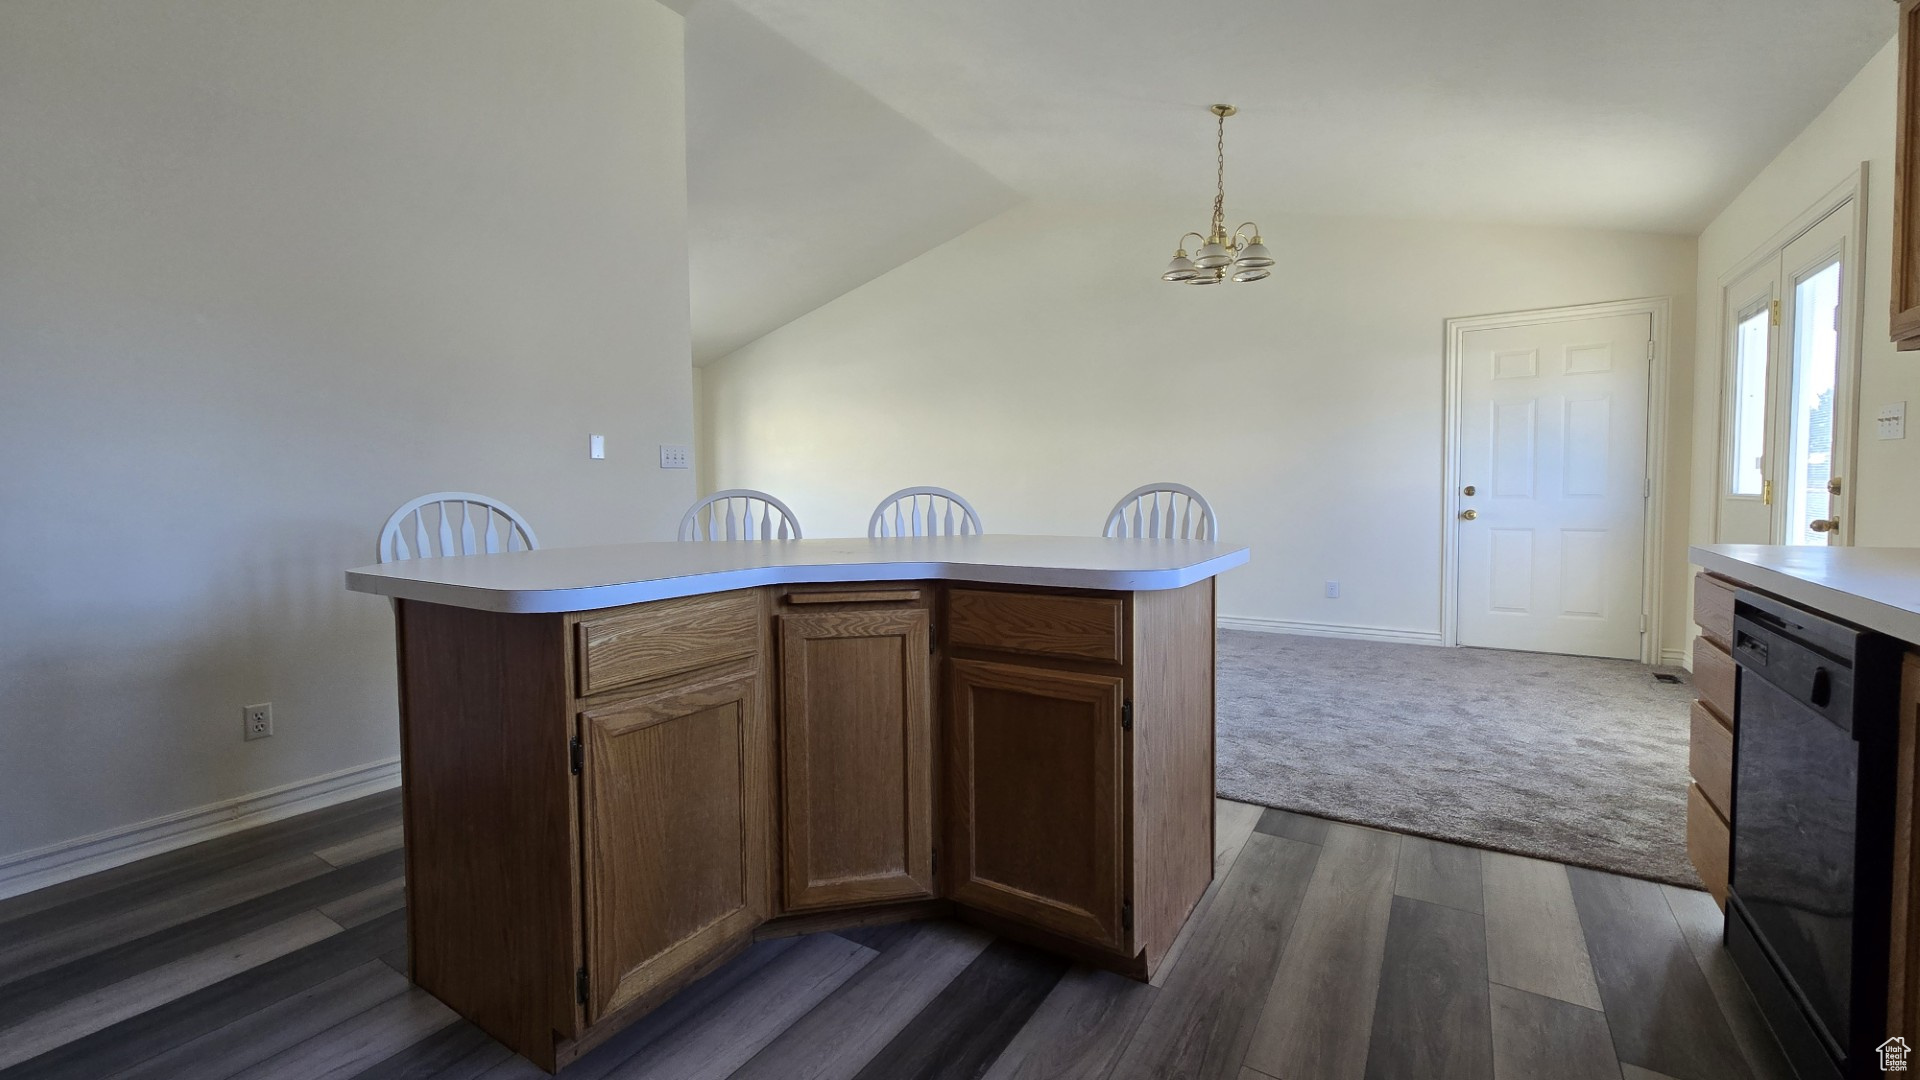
1707,843
1713,676
1713,608
1074,627
665,637
1710,757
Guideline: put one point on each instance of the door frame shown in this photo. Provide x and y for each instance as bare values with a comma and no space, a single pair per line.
1852,268
1652,594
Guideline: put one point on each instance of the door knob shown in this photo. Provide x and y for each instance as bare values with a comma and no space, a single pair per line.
1469,515
1824,525
1468,490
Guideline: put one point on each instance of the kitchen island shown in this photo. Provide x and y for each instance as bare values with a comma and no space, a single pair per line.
622,764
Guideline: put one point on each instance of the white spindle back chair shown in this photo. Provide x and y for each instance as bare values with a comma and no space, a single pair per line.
924,511
454,523
1163,511
740,514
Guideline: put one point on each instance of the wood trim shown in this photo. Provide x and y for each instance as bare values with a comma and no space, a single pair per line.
1903,990
490,824
1071,627
846,596
813,922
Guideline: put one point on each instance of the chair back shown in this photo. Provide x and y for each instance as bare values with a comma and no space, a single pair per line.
1163,511
454,523
924,511
739,514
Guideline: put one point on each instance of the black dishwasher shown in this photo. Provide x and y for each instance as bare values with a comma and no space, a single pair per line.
1809,883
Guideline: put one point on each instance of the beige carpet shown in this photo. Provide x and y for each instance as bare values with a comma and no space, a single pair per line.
1579,760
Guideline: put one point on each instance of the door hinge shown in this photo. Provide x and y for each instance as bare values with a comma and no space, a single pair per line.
1776,313
1643,622
1126,915
1646,487
580,986
1766,493
1126,715
576,755
1649,348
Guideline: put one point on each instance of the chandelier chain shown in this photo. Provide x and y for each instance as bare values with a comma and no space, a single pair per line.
1220,178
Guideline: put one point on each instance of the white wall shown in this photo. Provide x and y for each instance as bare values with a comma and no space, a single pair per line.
1038,365
270,270
1858,126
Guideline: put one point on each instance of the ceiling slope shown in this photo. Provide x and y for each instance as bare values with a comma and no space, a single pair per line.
801,186
1644,115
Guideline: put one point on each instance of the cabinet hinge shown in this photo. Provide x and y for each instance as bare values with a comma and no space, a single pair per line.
1126,716
575,755
580,986
1126,915
936,860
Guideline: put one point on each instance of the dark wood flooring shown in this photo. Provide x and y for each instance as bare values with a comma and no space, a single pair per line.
1323,950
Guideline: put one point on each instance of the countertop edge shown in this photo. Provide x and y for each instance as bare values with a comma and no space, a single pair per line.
596,597
1841,604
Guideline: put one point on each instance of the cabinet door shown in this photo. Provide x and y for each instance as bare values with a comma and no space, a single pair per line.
1037,759
856,733
1906,184
674,808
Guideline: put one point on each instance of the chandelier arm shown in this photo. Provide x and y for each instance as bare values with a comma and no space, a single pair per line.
1243,228
1183,239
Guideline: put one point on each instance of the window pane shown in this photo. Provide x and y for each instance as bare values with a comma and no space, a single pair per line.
1816,363
1749,403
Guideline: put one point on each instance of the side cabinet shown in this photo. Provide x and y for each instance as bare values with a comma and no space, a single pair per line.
673,836
1710,750
856,748
1038,765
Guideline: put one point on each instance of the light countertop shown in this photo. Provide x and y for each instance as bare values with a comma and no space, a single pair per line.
587,578
1878,588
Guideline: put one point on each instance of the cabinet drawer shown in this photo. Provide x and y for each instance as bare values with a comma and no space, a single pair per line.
1075,627
1713,609
1707,840
1710,757
665,637
1713,676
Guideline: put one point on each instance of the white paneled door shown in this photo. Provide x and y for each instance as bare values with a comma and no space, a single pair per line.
1551,508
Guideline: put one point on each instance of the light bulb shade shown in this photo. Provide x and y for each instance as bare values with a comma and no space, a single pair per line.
1251,274
1213,257
1254,255
1180,269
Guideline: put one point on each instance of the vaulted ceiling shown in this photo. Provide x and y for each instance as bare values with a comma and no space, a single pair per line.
895,124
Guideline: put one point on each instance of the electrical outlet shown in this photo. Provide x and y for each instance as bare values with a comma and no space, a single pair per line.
1333,590
1892,421
597,447
256,721
675,457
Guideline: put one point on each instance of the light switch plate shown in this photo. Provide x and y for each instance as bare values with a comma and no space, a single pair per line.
675,457
1892,421
597,447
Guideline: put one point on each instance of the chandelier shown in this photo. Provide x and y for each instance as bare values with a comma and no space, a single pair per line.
1239,257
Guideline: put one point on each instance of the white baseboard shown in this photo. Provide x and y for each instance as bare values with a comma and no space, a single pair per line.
30,870
1333,630
1679,658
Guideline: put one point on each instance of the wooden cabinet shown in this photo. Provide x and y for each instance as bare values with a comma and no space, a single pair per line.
673,828
1906,184
1037,759
856,750
1710,754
